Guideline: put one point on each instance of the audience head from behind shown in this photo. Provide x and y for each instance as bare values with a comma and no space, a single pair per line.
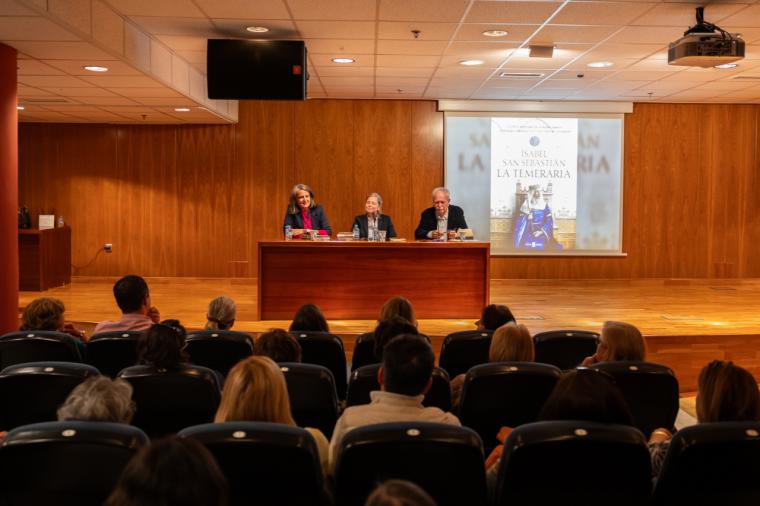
221,314
279,345
494,316
99,399
398,306
727,393
618,341
162,345
511,343
407,367
309,318
388,329
171,471
399,493
45,313
132,295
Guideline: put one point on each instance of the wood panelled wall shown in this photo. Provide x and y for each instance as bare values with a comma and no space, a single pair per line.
195,200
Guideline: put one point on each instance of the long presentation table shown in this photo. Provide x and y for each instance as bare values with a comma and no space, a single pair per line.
351,280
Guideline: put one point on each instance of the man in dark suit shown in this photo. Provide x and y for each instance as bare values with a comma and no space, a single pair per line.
442,216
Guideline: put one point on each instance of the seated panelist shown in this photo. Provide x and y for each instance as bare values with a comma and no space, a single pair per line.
374,218
440,219
305,214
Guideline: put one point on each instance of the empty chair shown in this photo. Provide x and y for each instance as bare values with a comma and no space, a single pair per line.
565,348
313,399
37,346
265,463
325,349
65,463
504,394
712,463
364,351
445,460
364,380
218,349
651,391
462,350
32,392
111,352
574,462
170,400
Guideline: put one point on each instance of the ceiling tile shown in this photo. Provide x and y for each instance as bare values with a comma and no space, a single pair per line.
76,67
14,9
32,28
684,14
62,50
107,100
236,28
241,9
176,26
329,82
335,70
746,17
404,72
57,81
337,29
176,102
474,32
341,47
422,10
558,34
325,60
171,9
399,60
601,13
184,42
402,30
511,12
122,81
36,68
333,9
418,47
647,35
80,92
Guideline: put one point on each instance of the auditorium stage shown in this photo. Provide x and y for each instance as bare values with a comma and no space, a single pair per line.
687,323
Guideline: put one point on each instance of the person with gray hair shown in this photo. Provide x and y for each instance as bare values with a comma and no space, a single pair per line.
440,219
221,314
99,399
304,214
373,219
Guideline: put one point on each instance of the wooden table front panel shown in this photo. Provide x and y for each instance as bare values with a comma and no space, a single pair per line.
44,258
351,280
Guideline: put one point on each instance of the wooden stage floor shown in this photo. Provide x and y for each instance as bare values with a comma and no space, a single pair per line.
687,323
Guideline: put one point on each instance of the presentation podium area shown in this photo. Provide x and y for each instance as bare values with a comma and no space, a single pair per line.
44,258
351,280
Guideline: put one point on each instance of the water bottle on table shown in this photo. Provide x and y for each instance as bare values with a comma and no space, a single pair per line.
355,232
288,232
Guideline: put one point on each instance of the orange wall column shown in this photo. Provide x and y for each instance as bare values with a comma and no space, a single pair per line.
8,191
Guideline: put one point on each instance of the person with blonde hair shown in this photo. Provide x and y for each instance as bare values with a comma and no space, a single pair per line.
46,313
397,306
373,220
221,314
618,342
255,391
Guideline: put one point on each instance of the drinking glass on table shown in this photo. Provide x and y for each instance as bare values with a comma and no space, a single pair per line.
462,234
381,235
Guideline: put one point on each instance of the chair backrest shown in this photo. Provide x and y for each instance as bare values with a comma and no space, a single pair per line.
651,391
565,348
325,349
265,463
168,401
445,460
574,462
364,380
712,463
111,352
32,392
37,346
313,399
504,394
218,349
462,350
65,463
364,351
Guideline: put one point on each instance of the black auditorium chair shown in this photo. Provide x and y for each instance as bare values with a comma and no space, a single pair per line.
32,392
326,349
364,380
574,462
712,463
504,394
218,349
38,346
313,399
111,352
445,460
651,391
266,464
465,349
65,463
170,400
364,351
565,348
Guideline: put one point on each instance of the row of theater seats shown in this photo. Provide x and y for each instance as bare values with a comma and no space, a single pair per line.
78,463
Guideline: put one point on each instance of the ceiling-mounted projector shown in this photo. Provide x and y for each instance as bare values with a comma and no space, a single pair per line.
705,45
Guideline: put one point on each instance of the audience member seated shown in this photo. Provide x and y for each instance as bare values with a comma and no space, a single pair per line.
163,345
221,314
388,329
46,313
279,345
99,399
494,316
398,306
583,394
133,298
510,343
309,318
255,391
399,493
172,471
405,376
725,393
618,341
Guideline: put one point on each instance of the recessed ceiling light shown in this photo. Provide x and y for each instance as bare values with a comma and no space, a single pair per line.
726,66
181,109
257,29
95,68
343,60
496,33
20,107
471,62
600,64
